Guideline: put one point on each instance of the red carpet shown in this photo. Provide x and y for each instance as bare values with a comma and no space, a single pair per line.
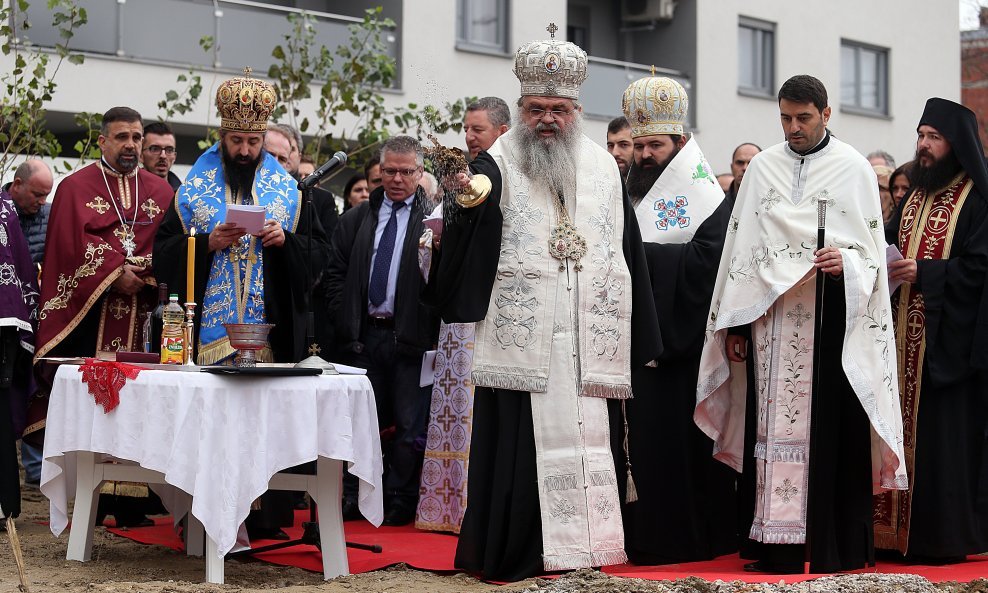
434,552
420,549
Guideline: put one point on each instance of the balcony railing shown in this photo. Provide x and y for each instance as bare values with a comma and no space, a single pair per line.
607,79
168,31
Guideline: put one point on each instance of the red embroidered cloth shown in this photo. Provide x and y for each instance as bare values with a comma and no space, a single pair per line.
105,379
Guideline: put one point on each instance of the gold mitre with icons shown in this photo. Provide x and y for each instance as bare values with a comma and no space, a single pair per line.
246,103
655,105
551,67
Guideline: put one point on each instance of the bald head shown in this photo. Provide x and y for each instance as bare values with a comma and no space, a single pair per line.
739,162
31,186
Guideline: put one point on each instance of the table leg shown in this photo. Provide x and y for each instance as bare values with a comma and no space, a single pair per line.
84,512
214,562
329,474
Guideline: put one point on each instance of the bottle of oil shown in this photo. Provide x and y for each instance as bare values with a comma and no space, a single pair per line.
172,332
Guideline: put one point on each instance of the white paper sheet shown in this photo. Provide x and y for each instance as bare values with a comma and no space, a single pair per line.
248,216
428,373
892,254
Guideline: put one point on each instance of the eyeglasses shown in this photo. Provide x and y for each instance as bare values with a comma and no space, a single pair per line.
155,149
539,113
391,172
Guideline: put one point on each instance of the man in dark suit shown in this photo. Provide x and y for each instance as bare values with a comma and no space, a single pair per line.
373,283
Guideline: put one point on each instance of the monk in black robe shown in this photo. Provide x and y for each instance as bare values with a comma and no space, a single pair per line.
696,519
941,315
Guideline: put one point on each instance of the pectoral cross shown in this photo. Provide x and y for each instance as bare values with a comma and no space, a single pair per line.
552,28
126,236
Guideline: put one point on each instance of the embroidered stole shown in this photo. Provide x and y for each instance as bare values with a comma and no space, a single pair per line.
578,496
513,343
235,289
783,348
926,231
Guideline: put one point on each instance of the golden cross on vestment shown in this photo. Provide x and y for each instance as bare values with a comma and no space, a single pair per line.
119,309
247,71
915,325
552,28
653,70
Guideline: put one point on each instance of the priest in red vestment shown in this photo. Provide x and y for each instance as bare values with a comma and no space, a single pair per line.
97,284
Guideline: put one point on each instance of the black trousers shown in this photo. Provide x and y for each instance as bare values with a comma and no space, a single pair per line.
10,482
401,403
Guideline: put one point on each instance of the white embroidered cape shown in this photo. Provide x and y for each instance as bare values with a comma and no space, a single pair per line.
680,200
512,347
769,249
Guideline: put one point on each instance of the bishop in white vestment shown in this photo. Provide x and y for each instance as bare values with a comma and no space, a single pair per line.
549,267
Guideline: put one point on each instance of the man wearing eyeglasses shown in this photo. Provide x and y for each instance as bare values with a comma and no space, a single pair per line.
547,266
374,286
158,152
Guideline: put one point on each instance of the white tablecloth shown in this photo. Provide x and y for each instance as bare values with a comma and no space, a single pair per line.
218,438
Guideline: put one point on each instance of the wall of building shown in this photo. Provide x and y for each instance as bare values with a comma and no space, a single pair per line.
974,74
923,62
701,41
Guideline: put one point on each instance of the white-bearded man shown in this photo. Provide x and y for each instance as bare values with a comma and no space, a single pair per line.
547,266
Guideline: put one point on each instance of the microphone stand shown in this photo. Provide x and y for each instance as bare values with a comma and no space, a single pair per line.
310,528
313,361
821,210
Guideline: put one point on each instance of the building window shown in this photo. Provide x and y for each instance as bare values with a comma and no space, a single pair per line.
483,24
864,83
756,57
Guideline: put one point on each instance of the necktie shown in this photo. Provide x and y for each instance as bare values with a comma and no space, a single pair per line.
382,263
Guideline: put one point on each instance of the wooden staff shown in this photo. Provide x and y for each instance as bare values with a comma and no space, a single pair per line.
821,213
15,546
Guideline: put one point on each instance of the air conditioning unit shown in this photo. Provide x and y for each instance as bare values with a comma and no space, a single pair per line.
637,11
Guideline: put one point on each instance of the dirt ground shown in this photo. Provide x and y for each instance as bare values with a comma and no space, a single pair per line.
120,565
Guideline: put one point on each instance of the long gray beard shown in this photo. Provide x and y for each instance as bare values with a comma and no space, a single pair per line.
551,160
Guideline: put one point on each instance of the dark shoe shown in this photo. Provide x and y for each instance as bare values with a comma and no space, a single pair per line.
399,515
762,566
137,521
351,512
275,534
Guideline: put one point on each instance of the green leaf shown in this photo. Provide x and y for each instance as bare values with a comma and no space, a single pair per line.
76,59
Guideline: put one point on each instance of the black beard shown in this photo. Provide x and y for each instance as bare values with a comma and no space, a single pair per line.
239,174
936,176
641,179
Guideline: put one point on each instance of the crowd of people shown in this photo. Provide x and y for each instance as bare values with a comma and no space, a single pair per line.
635,359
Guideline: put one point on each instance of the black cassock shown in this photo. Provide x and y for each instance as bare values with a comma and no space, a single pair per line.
686,499
501,535
950,481
285,280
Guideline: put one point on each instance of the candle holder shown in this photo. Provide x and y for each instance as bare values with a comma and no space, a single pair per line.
190,314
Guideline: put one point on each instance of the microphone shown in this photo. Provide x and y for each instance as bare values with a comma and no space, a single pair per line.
338,160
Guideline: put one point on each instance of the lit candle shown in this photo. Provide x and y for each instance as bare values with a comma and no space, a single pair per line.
190,268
